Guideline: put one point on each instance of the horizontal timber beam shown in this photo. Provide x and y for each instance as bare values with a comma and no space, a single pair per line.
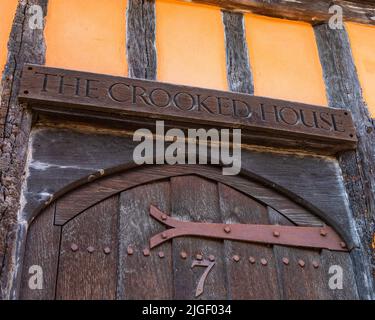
316,11
264,121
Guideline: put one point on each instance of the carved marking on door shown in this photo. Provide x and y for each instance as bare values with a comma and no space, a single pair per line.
202,263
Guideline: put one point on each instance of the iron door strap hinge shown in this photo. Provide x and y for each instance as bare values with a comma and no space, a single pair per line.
308,237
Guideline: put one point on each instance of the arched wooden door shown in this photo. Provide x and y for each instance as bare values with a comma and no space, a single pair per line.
103,251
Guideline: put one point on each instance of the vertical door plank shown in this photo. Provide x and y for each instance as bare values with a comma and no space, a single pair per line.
42,249
247,280
140,276
298,282
195,199
343,260
84,275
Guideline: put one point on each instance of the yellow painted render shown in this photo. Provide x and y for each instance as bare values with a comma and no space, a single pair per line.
190,44
284,60
362,40
7,12
87,35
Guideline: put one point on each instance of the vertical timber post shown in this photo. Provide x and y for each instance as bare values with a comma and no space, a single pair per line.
358,167
239,74
140,39
26,45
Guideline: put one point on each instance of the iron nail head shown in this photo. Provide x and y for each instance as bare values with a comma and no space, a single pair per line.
236,258
252,260
130,251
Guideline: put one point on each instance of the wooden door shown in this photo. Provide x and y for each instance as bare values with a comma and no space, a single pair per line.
104,252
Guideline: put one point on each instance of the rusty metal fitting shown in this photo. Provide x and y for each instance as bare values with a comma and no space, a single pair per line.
199,257
130,250
236,258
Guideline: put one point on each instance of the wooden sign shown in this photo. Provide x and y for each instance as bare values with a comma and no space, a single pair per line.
263,120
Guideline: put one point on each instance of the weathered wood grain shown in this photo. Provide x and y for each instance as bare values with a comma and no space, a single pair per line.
70,159
88,195
310,282
316,11
349,289
263,120
88,275
239,75
296,282
25,45
143,277
344,92
244,279
42,249
140,39
317,179
75,153
136,276
74,158
299,289
196,199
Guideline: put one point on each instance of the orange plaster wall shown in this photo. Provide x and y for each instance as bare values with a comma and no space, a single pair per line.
7,12
362,40
87,35
190,44
284,60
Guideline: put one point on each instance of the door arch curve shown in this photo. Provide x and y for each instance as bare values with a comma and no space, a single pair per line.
75,201
111,214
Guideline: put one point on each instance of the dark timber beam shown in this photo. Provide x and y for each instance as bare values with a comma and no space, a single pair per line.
344,92
140,39
26,45
313,11
239,75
